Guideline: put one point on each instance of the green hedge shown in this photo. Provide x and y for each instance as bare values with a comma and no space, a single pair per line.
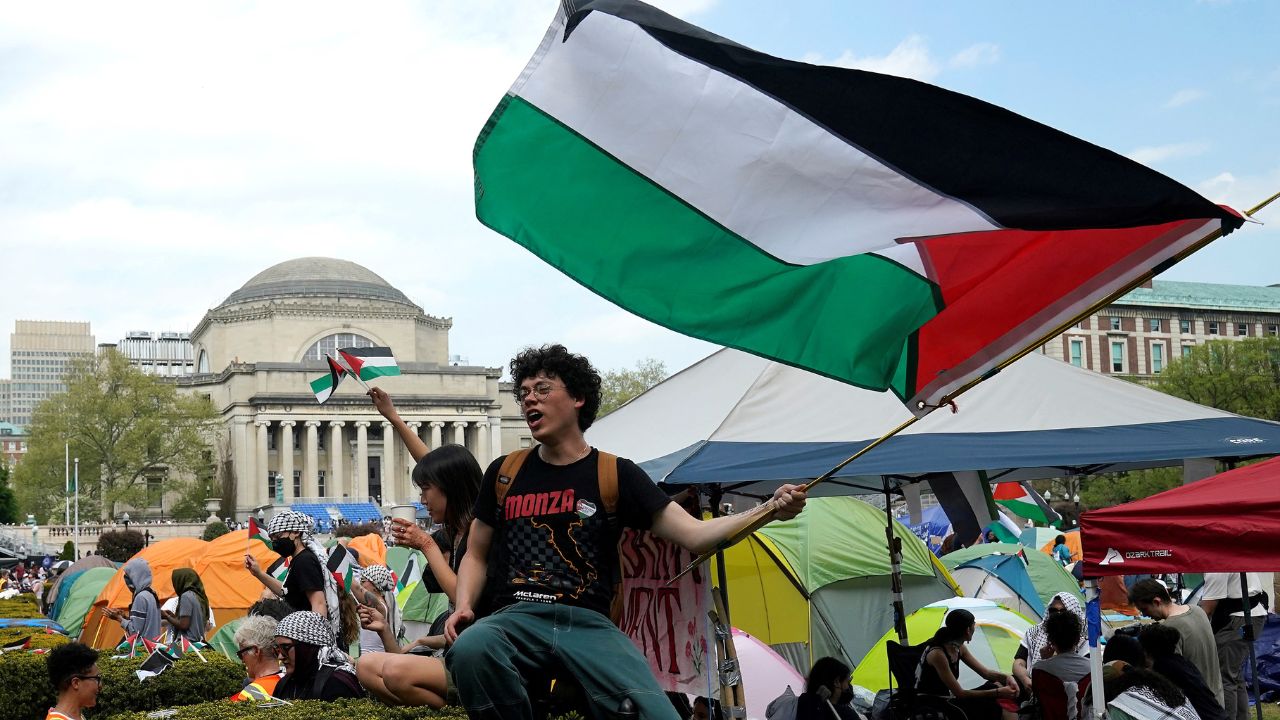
22,607
39,638
303,710
25,692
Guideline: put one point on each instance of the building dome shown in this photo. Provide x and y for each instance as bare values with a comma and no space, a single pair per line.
317,277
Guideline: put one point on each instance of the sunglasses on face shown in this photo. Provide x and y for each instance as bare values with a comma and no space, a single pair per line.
240,653
283,649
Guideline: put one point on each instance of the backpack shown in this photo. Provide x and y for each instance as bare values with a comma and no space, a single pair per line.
606,477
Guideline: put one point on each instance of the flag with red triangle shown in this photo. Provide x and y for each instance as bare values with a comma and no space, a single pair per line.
368,363
257,532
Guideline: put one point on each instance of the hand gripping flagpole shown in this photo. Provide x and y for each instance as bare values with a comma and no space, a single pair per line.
765,510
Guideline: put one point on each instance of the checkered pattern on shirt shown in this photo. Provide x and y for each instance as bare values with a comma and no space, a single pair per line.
536,566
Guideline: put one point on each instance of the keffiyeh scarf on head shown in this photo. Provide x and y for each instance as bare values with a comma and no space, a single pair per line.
294,521
1036,638
307,627
380,576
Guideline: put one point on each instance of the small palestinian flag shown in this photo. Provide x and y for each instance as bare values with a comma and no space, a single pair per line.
343,566
157,662
17,645
129,644
1022,500
186,646
324,386
368,363
257,532
279,569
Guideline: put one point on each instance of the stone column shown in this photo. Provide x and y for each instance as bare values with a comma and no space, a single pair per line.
482,444
246,494
285,451
311,468
360,473
336,451
264,467
406,466
435,435
460,433
495,436
389,487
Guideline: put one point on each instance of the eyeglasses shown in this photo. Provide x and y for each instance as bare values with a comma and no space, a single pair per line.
98,678
540,390
283,649
240,653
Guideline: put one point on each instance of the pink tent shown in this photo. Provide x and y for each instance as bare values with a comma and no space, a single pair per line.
765,674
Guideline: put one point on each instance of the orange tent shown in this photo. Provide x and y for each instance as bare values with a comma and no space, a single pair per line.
220,564
1073,544
373,551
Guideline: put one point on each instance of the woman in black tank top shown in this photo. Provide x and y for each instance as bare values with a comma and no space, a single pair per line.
940,670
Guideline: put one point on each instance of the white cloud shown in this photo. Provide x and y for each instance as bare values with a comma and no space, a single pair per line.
1242,192
1152,155
910,59
976,55
1184,97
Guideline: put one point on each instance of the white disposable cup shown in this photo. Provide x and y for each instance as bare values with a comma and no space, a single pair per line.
405,512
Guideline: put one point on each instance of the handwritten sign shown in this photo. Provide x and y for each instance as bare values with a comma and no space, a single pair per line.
668,623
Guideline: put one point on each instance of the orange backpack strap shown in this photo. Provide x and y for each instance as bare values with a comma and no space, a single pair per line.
507,473
607,476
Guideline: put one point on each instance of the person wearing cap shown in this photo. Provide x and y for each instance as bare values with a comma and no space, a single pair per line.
313,668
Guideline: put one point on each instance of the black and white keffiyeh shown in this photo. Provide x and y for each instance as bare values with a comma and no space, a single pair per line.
294,521
1036,638
307,627
382,578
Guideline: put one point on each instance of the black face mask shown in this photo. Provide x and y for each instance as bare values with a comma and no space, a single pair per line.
283,546
846,697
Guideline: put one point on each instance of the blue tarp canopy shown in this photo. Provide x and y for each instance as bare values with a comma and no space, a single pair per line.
750,424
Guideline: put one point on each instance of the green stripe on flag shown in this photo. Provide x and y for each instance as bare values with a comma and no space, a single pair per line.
621,236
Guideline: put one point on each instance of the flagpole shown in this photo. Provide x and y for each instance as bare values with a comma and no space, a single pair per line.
76,528
765,510
66,477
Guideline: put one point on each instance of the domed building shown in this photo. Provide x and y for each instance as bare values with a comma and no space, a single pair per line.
257,353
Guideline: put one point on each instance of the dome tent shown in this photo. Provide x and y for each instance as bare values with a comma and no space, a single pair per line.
1013,575
81,591
819,585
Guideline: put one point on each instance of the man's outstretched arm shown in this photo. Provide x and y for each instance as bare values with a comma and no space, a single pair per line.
698,536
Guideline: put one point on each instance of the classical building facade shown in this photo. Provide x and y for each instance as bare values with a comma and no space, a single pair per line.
256,353
167,353
1143,331
40,353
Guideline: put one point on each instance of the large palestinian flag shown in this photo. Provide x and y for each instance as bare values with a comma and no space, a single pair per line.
877,230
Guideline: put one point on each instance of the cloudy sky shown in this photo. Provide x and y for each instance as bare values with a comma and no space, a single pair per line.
155,156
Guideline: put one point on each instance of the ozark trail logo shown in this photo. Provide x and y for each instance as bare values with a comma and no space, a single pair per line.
1245,440
1113,556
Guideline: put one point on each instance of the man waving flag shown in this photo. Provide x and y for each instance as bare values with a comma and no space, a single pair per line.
873,229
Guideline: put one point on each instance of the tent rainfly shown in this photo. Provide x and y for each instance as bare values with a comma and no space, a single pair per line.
1018,577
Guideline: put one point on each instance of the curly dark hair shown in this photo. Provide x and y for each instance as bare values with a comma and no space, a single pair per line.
69,660
575,371
1063,630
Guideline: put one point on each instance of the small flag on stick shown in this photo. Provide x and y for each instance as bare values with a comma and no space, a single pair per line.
257,532
323,387
408,581
367,363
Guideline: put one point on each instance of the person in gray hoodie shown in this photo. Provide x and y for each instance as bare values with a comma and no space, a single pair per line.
143,618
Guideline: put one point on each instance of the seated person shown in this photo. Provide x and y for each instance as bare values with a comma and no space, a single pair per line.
256,643
940,669
313,668
1160,641
73,670
1035,641
1059,657
1136,693
826,693
402,679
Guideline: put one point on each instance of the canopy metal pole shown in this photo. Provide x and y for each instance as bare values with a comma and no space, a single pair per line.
895,567
1093,619
722,577
1249,638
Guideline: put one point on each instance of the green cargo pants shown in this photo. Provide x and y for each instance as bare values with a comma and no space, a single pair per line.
492,660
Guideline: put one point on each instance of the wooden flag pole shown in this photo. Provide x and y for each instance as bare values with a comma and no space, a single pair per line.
765,510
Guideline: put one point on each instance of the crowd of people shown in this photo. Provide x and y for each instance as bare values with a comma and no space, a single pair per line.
526,555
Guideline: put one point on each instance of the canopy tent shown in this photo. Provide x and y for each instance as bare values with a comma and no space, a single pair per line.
994,644
1010,574
81,590
1227,523
220,564
818,585
749,425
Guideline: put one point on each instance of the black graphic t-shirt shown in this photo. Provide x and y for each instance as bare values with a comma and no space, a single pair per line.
553,540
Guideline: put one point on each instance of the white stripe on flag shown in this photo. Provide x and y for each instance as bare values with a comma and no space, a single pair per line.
738,156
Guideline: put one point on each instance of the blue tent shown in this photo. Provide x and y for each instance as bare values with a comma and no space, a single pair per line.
1009,572
749,425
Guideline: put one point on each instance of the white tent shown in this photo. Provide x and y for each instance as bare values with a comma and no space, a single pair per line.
750,424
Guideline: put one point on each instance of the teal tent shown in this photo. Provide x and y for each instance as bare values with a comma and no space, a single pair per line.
79,599
1018,577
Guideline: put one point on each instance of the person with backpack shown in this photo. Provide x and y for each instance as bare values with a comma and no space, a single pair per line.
552,515
143,618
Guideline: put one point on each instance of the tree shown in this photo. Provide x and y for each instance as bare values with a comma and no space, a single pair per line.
126,427
214,530
8,505
120,545
1115,488
619,386
1239,376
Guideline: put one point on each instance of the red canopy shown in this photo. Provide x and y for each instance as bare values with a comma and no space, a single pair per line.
1226,523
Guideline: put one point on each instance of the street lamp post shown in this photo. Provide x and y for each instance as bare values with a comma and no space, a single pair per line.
76,528
1076,498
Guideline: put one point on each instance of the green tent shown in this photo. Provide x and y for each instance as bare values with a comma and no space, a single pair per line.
80,598
422,606
1047,576
819,584
224,640
1000,631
